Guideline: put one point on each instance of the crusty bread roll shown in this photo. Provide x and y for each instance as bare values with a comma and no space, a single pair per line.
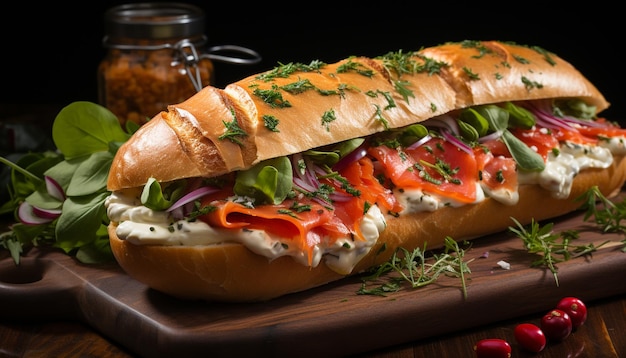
499,73
231,273
186,141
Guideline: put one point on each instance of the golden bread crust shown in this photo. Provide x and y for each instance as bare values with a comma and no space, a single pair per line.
193,139
230,272
356,103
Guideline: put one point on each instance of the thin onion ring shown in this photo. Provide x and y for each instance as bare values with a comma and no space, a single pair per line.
191,196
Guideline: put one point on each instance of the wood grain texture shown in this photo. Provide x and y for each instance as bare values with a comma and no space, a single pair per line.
50,286
601,336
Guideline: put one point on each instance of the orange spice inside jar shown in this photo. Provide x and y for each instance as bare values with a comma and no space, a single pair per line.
153,59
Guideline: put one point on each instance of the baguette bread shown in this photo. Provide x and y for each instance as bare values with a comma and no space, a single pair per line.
190,140
231,273
503,73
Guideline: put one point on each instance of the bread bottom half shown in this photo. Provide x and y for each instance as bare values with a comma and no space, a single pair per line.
229,272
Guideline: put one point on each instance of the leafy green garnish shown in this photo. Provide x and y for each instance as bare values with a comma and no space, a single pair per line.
267,182
471,74
412,134
519,117
330,155
475,121
26,176
83,216
576,108
83,128
91,174
156,198
498,119
86,136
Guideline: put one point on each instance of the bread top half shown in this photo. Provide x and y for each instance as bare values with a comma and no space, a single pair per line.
295,107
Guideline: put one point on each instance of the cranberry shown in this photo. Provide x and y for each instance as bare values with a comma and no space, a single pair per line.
556,325
530,337
575,308
492,348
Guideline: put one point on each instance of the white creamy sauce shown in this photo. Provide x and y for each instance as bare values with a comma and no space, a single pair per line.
616,145
416,200
561,169
142,226
557,177
502,195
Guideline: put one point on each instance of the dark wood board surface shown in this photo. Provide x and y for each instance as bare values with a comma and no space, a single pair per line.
331,320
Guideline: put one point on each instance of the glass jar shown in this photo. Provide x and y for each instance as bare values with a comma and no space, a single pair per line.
155,58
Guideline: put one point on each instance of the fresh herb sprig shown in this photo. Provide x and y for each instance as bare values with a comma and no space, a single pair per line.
607,214
417,269
552,247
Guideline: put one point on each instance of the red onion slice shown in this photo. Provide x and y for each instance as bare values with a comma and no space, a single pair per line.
304,185
445,122
492,136
27,215
583,122
46,213
54,189
353,156
340,197
549,121
191,196
457,142
420,142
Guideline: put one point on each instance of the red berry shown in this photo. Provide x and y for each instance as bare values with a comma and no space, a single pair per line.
492,348
556,325
575,308
530,337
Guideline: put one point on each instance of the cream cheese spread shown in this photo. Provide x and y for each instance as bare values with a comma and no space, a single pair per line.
142,226
561,168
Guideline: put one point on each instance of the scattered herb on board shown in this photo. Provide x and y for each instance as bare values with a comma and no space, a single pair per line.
551,247
558,247
417,269
607,214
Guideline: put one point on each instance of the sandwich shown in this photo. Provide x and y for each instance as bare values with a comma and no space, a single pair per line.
307,173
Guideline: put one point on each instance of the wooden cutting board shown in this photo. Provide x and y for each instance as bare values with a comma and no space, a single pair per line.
328,321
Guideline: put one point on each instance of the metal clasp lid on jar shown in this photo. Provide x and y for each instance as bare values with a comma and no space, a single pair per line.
175,26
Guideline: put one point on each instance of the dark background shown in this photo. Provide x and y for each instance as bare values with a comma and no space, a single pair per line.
51,51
